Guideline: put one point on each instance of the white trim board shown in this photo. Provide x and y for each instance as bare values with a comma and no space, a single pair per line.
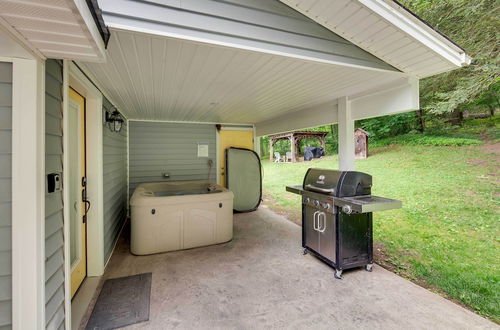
66,197
236,128
192,122
28,194
271,49
95,235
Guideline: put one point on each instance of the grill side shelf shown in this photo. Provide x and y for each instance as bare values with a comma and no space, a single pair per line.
368,203
295,189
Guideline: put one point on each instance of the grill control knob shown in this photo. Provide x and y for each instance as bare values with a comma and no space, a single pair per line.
326,206
308,199
316,203
347,209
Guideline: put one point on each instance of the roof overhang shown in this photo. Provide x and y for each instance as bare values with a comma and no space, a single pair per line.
151,77
63,29
389,31
227,61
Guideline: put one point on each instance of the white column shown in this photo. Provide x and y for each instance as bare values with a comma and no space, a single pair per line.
28,194
256,142
346,135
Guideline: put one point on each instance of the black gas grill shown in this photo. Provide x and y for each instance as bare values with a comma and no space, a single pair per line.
337,211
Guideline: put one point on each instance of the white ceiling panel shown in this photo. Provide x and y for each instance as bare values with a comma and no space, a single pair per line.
160,78
54,28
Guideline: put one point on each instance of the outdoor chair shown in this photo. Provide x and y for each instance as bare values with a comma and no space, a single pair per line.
288,156
278,157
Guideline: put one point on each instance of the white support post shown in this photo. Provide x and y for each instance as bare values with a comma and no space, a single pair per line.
28,194
346,135
256,143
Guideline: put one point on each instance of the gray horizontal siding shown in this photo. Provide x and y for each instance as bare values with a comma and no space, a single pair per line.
5,195
115,182
264,24
54,240
156,148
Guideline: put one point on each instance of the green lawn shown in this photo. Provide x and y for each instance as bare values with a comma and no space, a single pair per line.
447,235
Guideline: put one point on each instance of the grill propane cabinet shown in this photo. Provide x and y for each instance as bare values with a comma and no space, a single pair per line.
337,211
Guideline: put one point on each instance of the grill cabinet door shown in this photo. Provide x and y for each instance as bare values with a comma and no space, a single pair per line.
311,236
355,236
327,238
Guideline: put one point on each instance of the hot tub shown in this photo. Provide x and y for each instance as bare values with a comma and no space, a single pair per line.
169,216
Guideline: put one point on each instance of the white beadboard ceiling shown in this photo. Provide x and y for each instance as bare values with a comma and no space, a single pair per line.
152,77
54,28
388,31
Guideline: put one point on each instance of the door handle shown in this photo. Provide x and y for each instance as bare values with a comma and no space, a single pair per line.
87,205
323,216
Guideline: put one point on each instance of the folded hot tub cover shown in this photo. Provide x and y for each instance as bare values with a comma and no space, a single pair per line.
244,178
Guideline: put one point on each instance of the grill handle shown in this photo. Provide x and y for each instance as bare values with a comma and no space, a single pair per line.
320,190
316,217
322,216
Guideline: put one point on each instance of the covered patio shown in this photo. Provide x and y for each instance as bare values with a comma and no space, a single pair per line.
176,72
261,279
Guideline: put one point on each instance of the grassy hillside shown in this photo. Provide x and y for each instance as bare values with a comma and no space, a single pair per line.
446,236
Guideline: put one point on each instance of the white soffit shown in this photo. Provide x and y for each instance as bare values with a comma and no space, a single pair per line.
152,77
388,31
62,29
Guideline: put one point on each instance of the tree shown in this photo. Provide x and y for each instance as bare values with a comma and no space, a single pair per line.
474,25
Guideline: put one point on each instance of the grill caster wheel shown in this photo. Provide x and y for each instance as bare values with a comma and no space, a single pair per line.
304,252
369,268
338,274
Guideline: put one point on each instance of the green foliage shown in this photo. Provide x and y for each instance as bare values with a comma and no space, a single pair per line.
474,25
387,126
486,128
425,140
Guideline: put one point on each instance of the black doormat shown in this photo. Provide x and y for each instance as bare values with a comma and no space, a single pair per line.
122,301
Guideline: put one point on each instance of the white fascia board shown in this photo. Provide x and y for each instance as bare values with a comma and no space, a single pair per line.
193,21
418,30
81,9
322,114
402,96
119,23
398,96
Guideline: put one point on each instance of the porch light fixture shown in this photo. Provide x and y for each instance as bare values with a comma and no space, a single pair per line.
114,121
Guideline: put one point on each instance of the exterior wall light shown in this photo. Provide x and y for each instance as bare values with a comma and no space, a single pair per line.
114,121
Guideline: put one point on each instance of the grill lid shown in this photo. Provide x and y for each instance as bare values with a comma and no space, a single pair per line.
337,183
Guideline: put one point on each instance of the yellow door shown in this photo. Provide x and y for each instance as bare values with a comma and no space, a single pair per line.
232,138
77,182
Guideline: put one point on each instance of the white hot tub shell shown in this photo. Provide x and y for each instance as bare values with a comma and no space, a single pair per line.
169,216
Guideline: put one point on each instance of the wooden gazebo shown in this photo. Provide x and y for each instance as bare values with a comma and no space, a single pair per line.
295,138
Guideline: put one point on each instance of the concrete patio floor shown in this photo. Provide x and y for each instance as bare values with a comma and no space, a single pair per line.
261,280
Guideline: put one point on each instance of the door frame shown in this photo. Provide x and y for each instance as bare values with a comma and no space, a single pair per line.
229,127
82,250
72,76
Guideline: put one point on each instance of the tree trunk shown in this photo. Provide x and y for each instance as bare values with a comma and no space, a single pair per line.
492,110
421,120
457,117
